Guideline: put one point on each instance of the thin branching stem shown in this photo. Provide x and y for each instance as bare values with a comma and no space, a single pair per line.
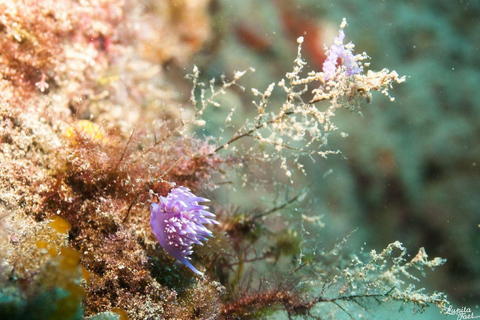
249,132
277,208
146,186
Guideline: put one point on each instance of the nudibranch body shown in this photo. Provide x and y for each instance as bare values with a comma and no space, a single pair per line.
177,221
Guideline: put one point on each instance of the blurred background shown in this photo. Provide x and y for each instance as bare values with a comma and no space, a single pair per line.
409,169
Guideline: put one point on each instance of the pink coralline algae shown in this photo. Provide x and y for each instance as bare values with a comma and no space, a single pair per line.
340,51
178,223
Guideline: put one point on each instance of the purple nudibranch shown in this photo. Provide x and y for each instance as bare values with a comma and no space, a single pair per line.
177,221
344,52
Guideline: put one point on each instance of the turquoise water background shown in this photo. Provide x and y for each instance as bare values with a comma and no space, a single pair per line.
410,170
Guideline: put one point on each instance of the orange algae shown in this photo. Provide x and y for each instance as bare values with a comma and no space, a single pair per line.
42,244
76,291
84,129
52,251
70,258
60,225
68,306
86,275
122,313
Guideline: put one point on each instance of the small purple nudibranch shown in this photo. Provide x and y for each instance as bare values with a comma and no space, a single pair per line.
178,223
344,52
